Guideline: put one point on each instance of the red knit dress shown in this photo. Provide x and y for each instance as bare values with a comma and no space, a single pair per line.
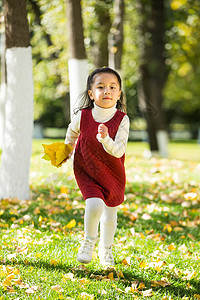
98,173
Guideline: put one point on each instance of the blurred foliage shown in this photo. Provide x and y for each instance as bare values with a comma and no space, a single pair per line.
183,86
50,56
49,39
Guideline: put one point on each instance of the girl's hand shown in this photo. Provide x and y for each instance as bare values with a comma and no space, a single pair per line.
102,130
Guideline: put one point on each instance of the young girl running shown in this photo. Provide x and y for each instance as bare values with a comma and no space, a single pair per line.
101,127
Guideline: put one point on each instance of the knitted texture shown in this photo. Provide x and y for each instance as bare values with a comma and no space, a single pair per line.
98,173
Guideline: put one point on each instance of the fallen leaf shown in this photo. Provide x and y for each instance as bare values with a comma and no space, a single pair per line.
111,276
86,296
125,262
146,216
142,264
171,247
71,224
160,283
147,293
57,288
68,276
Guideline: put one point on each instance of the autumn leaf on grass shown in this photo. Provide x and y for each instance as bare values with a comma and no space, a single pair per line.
147,293
57,153
143,265
57,288
70,225
162,283
86,296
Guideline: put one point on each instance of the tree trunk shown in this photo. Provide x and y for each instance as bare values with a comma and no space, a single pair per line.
117,37
100,49
153,73
77,63
2,90
14,176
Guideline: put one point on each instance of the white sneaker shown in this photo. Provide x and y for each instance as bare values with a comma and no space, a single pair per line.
106,256
85,252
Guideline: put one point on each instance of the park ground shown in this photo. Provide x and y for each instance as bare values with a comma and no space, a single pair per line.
156,247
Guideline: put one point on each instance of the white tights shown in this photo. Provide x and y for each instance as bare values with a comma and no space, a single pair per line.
96,212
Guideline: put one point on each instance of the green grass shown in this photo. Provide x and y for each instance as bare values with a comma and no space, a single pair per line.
156,247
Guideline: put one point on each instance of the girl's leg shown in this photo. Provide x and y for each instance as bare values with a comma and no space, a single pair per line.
108,225
93,211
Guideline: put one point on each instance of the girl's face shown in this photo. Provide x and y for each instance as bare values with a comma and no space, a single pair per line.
105,90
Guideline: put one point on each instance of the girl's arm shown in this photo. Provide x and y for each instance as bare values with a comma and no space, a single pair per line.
116,147
73,130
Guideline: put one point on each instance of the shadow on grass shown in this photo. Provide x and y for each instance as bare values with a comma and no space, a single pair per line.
93,273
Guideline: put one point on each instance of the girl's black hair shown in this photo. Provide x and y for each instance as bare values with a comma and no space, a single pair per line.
87,102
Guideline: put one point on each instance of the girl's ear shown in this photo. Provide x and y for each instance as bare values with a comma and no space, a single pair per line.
90,94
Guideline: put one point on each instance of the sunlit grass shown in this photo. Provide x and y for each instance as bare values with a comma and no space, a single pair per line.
156,246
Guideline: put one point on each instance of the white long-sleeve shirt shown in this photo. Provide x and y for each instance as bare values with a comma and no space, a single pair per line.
114,147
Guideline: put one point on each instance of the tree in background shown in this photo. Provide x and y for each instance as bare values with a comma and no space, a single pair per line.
183,85
77,62
99,38
50,52
15,163
117,37
153,72
51,81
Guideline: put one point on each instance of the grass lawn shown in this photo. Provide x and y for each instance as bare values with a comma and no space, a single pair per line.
156,247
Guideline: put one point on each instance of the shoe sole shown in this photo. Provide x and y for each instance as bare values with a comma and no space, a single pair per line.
83,261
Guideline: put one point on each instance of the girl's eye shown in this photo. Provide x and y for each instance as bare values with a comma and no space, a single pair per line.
99,87
112,87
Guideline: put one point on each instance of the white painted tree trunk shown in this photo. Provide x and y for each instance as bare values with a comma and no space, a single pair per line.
2,91
162,138
78,74
2,112
15,163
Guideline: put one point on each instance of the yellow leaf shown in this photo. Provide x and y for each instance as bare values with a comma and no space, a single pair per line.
142,264
125,262
196,296
57,153
71,224
38,255
110,276
53,262
62,153
63,190
168,228
46,157
120,274
171,247
141,286
6,282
